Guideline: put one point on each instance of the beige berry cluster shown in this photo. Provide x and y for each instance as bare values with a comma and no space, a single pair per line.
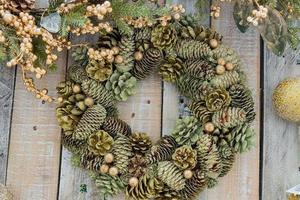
215,11
109,55
223,66
89,28
99,10
139,22
258,15
108,167
67,7
175,13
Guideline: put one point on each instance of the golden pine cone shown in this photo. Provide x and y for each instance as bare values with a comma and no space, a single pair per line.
185,157
171,69
217,99
116,126
90,161
100,142
137,166
140,142
168,194
163,36
99,70
18,6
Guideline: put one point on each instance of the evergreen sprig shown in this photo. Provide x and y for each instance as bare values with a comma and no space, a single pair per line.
11,48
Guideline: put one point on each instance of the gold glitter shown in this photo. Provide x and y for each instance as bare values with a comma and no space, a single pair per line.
286,99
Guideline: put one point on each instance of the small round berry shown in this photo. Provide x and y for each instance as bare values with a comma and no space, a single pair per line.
113,171
104,169
138,56
109,158
209,127
220,69
187,174
133,181
213,43
221,61
229,66
76,88
89,101
119,59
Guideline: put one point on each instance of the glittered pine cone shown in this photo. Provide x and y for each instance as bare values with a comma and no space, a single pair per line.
109,185
217,99
18,6
200,111
137,166
185,157
99,70
242,138
163,36
141,142
127,49
73,145
200,69
226,80
193,49
77,73
171,69
100,142
90,161
123,85
187,130
66,120
229,117
109,40
65,88
168,194
227,156
115,126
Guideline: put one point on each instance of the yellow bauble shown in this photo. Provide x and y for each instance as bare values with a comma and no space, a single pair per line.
286,99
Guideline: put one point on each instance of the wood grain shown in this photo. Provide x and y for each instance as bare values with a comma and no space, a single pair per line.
7,77
281,159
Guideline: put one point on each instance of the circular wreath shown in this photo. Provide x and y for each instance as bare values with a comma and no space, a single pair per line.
202,146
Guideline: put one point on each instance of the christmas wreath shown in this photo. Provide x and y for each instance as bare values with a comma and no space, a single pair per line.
201,148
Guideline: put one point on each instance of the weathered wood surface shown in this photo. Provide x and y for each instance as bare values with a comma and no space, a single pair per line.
7,79
281,160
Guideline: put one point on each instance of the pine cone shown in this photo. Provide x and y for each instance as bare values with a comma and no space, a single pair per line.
192,49
100,143
109,185
18,6
217,99
71,144
147,188
226,80
229,117
142,45
171,69
242,138
112,111
227,156
163,150
194,185
99,70
79,106
201,33
122,85
98,92
90,161
122,152
185,157
242,98
90,122
109,40
137,166
80,56
65,88
116,126
200,111
208,156
150,61
187,130
77,73
141,142
228,54
163,37
168,194
211,182
171,175
142,34
200,69
127,49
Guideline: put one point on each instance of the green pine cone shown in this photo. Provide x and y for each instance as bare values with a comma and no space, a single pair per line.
71,144
200,111
100,143
200,69
171,175
212,182
192,49
122,151
77,73
80,55
65,88
109,40
242,98
187,131
98,92
90,161
127,49
227,156
115,126
108,185
217,99
163,37
142,34
228,54
66,120
171,69
168,194
242,138
229,117
150,61
226,80
163,150
90,122
123,85
99,70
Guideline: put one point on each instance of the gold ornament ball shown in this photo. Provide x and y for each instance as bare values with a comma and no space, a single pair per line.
229,66
220,69
76,88
89,101
286,99
109,158
133,181
213,43
221,61
138,56
209,127
187,174
119,59
113,171
104,169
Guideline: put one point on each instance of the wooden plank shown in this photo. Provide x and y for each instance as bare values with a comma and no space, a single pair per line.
7,77
281,159
243,181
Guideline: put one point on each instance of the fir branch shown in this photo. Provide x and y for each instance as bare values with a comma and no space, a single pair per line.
39,47
54,4
12,47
